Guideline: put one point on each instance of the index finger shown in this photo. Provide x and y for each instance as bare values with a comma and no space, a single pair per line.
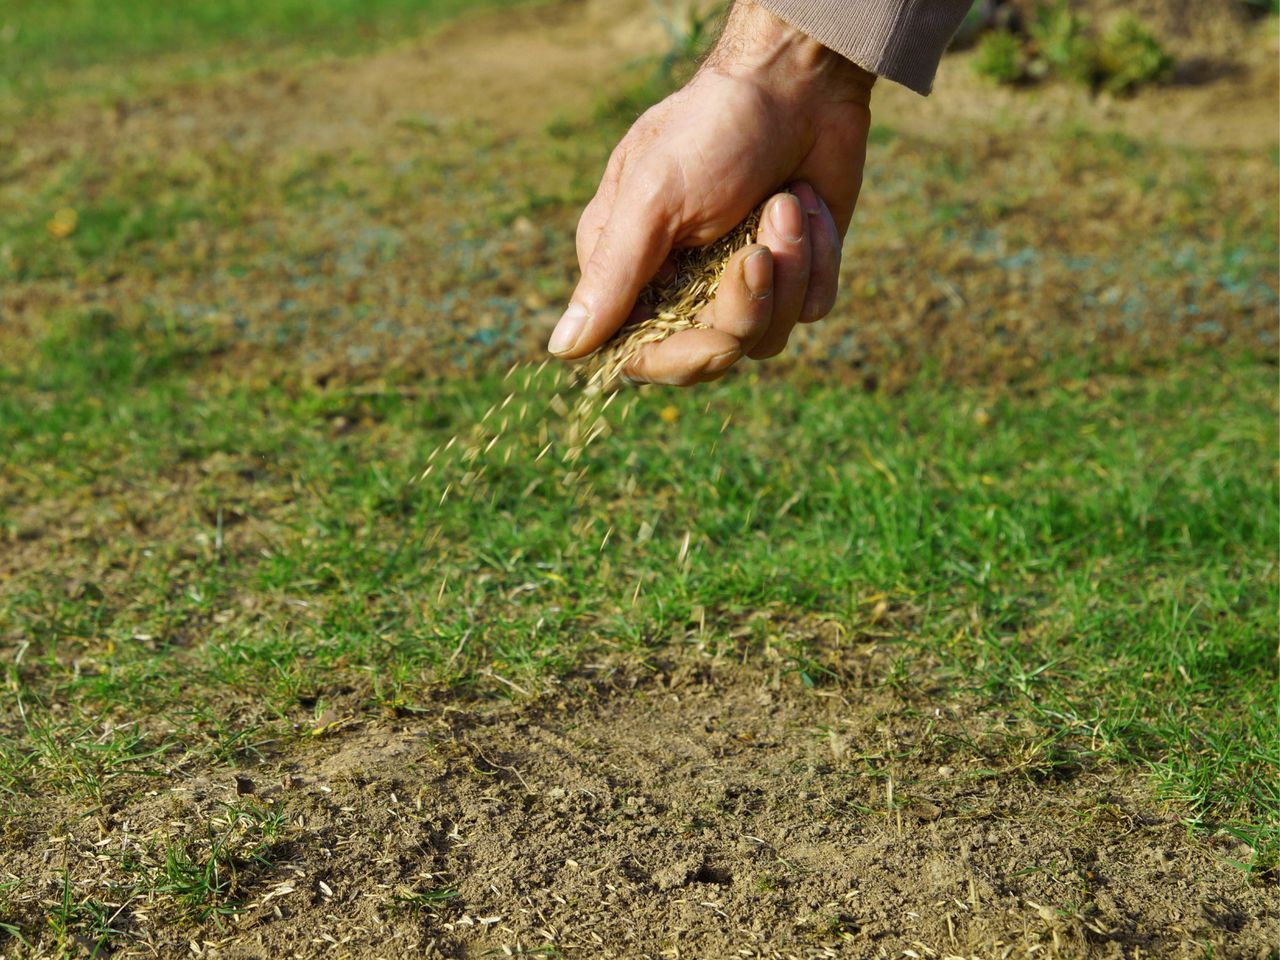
631,247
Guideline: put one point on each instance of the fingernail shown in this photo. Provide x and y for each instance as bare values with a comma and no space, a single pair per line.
569,329
758,272
721,360
808,198
788,218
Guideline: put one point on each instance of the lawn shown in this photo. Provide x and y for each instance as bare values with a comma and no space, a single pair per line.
55,48
1030,465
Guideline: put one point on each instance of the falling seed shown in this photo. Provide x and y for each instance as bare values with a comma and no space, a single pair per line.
674,304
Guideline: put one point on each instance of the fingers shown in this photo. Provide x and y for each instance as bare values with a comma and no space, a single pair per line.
736,319
836,164
789,276
784,229
596,214
687,357
743,304
632,246
825,252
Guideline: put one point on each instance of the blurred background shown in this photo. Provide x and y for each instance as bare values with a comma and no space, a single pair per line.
361,190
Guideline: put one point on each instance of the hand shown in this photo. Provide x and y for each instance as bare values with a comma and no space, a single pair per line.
770,110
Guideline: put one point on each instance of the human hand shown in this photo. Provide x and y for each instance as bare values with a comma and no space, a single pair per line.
770,109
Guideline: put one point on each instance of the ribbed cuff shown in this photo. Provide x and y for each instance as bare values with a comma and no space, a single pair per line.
900,39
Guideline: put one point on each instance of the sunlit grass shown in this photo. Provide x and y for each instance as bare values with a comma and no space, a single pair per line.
50,48
1100,561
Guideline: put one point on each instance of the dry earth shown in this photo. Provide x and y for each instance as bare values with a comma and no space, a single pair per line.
706,804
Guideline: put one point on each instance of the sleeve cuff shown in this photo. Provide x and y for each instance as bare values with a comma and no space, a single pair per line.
900,39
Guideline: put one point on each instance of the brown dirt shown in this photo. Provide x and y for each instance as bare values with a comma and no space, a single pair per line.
696,807
513,69
516,69
704,805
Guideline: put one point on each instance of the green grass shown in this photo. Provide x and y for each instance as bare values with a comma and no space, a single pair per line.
98,44
1101,563
208,556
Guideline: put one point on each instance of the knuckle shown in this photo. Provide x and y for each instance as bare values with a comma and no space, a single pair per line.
652,195
767,351
817,309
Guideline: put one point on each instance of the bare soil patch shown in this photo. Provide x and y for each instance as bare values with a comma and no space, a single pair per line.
703,804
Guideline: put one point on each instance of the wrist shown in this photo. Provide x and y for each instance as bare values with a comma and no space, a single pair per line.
758,44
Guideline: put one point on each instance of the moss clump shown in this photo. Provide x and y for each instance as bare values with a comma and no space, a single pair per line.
1130,56
1058,43
999,57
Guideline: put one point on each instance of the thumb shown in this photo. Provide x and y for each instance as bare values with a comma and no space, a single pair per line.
631,247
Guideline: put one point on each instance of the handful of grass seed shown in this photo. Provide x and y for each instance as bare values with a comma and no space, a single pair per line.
675,301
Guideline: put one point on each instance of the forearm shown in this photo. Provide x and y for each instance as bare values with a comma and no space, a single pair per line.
755,40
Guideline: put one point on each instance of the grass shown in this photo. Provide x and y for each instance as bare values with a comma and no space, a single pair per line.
49,50
1100,561
1059,501
197,877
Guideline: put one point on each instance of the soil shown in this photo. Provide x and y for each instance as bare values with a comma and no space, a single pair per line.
488,85
704,804
517,69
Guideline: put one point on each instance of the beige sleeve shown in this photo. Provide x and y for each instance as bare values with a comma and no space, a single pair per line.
899,39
